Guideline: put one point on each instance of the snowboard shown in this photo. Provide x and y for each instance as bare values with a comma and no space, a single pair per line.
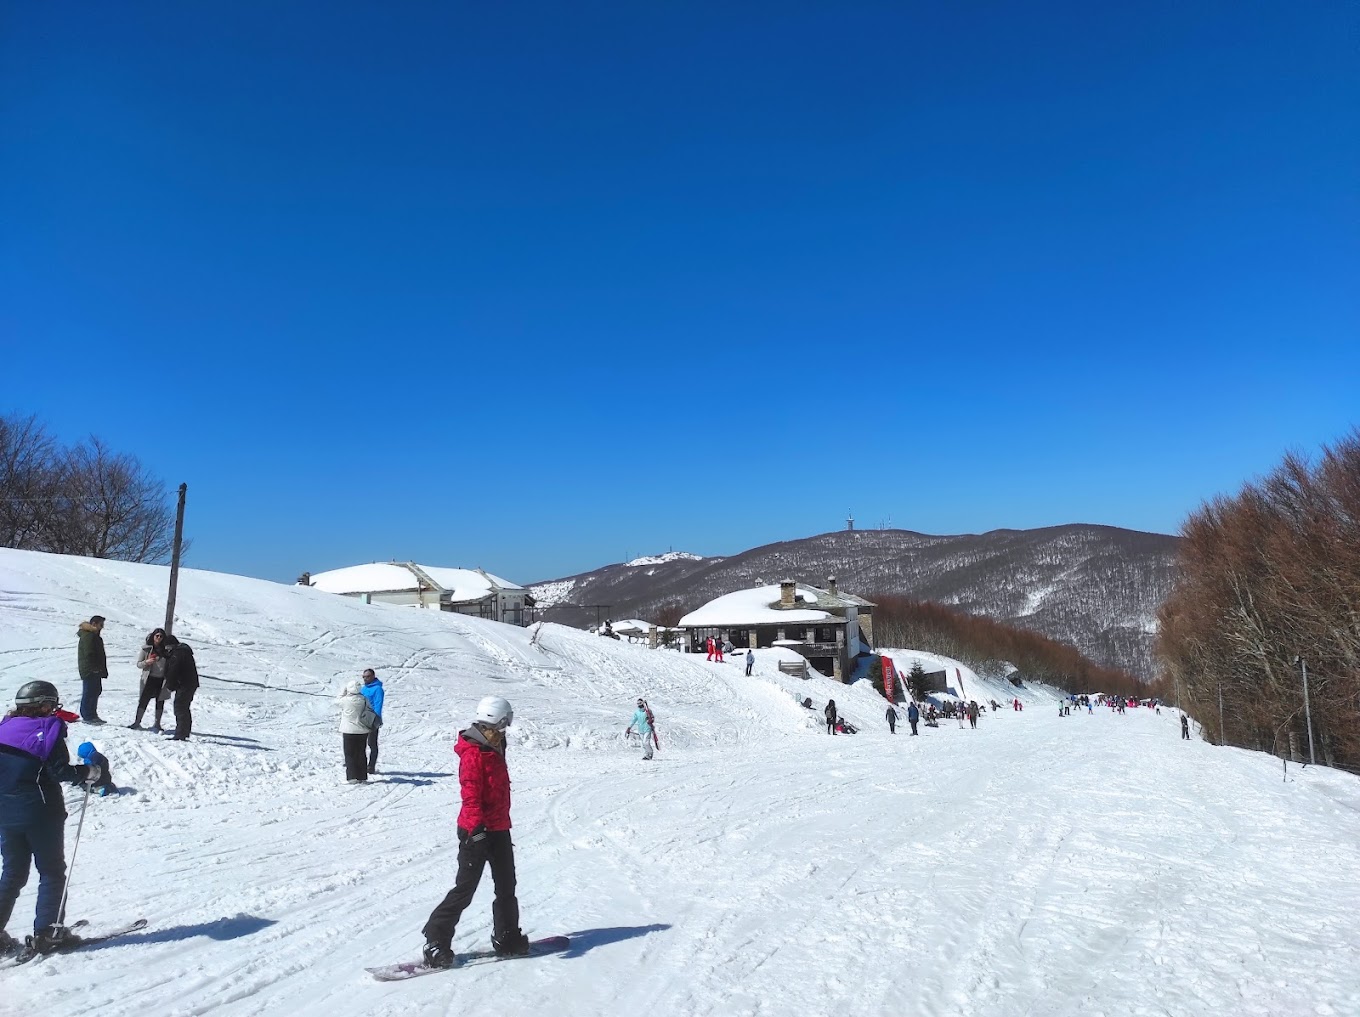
401,972
27,953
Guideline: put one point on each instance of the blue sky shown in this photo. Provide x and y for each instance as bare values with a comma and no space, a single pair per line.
540,286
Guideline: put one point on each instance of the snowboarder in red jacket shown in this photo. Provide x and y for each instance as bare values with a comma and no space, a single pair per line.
483,836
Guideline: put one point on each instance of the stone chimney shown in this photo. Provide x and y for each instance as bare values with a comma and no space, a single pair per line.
786,593
831,585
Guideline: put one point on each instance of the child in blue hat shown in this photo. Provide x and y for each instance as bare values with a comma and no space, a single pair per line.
91,756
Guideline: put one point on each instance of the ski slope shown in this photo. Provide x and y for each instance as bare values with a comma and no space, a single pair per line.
1038,865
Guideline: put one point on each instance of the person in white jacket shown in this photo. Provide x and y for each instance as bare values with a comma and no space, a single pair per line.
357,719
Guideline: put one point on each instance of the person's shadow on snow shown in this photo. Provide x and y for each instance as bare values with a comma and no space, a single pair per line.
220,929
412,773
589,939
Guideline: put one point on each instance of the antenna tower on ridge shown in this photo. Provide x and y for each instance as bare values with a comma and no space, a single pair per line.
850,520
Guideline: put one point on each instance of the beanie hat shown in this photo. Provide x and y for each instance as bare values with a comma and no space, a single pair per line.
86,750
96,619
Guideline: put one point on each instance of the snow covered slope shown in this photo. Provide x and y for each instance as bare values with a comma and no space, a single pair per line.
1037,865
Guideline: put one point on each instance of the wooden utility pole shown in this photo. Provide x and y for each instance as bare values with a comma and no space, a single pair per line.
174,561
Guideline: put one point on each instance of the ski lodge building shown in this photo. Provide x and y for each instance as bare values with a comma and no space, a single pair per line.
827,627
473,592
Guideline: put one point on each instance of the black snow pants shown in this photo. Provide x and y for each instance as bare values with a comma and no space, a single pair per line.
373,749
354,756
497,849
184,718
150,690
892,723
913,725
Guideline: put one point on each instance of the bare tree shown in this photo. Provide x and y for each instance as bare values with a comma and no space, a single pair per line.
113,508
85,500
28,480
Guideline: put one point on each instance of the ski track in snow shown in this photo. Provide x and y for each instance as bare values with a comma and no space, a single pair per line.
1089,865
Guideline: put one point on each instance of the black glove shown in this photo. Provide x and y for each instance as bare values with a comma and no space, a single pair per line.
474,836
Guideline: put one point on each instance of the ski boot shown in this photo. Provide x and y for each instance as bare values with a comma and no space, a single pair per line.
510,944
438,955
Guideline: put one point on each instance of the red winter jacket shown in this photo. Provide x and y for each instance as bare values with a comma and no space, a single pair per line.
485,783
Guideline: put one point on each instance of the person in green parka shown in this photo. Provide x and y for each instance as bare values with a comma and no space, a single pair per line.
94,668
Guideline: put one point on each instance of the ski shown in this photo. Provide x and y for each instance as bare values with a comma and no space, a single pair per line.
401,972
28,953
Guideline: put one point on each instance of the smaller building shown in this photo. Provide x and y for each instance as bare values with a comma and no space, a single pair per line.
828,627
473,592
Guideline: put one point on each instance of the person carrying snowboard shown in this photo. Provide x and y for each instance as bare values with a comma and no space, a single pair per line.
34,761
483,836
642,723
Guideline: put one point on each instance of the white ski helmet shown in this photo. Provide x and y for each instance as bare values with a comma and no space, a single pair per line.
495,712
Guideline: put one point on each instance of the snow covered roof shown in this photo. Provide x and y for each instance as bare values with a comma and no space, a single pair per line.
467,584
376,577
462,585
760,606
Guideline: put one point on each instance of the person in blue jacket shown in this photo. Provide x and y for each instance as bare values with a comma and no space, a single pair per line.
642,724
34,762
91,756
372,690
913,715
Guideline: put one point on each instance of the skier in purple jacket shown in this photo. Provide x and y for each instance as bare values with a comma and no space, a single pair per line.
33,764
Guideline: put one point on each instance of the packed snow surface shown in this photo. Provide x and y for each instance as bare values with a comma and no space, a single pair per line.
1038,865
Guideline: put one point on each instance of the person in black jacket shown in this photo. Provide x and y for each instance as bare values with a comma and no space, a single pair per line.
830,714
181,678
34,761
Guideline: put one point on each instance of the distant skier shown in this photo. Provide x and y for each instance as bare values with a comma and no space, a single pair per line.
972,713
913,715
92,757
1185,727
830,713
483,837
642,723
356,721
750,661
372,690
181,678
34,761
151,661
710,647
718,649
94,667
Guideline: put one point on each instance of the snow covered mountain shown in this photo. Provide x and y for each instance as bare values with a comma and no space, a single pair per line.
1095,587
1038,865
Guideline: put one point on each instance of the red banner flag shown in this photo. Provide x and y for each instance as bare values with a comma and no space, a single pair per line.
889,679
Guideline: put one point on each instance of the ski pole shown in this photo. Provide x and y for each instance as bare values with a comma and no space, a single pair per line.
75,848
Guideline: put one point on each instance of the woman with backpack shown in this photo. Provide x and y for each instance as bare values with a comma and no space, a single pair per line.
357,719
830,713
